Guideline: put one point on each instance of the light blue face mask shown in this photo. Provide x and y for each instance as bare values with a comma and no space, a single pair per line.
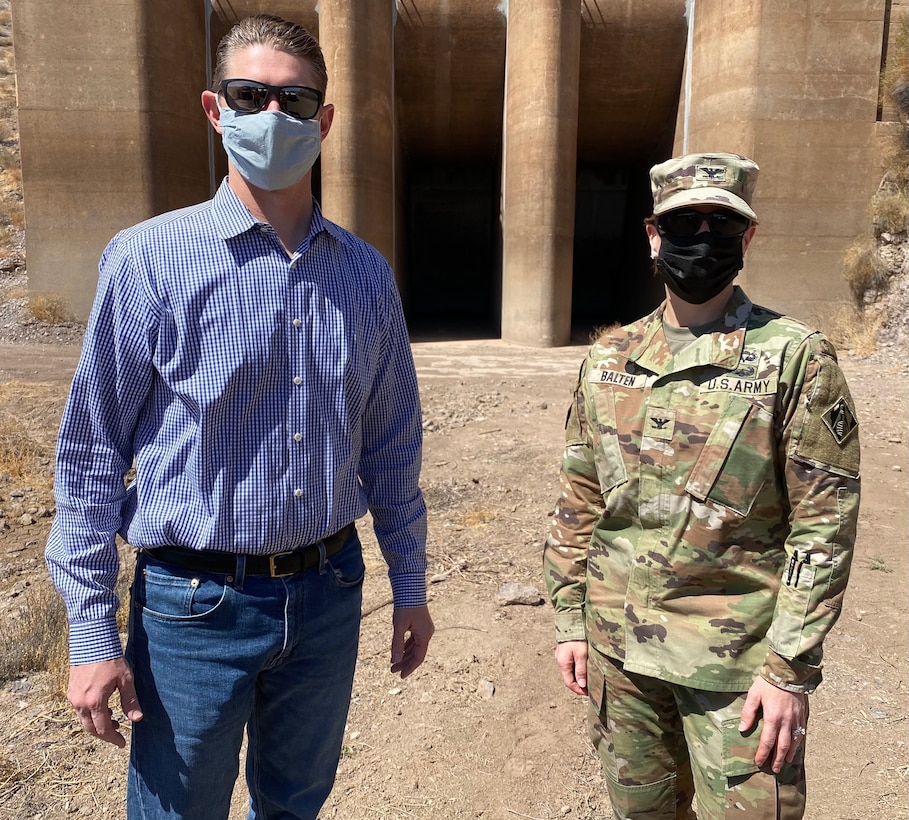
270,149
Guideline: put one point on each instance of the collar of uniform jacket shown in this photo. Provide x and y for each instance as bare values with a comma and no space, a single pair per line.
722,347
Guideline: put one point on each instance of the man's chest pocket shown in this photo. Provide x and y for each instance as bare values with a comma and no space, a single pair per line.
737,458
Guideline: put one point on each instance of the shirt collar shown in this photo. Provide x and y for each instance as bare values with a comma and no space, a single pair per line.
232,218
320,223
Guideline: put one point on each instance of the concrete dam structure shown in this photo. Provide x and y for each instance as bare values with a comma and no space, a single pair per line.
495,151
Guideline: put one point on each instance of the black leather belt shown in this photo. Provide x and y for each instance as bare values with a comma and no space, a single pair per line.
278,565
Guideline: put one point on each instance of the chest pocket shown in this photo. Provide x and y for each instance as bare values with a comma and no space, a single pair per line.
737,458
608,454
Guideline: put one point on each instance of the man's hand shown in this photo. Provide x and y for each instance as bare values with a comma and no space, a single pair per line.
784,713
90,688
412,629
571,656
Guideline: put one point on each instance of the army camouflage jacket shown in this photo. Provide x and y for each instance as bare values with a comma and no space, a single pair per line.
706,522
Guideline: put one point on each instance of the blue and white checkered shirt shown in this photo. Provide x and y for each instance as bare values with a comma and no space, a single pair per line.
266,402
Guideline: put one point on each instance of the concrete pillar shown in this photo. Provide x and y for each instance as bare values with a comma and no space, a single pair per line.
110,127
794,86
539,166
358,155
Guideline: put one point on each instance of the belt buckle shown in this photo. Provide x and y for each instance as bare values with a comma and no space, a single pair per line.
272,568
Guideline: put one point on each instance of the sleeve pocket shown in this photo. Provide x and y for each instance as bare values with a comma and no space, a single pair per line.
608,455
788,627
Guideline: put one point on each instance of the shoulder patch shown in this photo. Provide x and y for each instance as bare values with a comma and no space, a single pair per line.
829,436
840,420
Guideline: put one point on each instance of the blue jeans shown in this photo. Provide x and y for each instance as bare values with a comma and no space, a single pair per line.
214,654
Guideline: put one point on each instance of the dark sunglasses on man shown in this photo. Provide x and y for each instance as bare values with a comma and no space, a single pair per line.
250,97
685,223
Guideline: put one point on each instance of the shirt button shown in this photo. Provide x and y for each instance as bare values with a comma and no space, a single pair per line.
297,323
298,380
298,437
298,492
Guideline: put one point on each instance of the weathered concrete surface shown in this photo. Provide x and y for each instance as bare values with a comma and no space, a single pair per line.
109,128
358,154
794,86
541,111
424,154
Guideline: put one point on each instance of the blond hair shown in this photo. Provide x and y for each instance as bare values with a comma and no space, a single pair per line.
279,34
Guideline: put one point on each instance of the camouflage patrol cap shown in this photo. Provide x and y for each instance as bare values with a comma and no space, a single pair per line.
704,179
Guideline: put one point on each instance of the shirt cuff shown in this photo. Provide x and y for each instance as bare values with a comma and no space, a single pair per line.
569,625
94,641
792,675
408,591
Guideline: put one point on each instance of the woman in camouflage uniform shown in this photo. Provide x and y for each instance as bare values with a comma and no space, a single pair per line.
701,543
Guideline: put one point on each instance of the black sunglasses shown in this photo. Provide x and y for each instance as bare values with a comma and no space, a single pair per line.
249,97
688,223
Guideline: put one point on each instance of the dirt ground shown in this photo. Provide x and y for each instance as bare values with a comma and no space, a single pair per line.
485,729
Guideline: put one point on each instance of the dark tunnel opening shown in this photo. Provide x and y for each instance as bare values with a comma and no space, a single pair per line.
612,279
454,249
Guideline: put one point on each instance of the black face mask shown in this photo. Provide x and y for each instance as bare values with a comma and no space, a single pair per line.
698,268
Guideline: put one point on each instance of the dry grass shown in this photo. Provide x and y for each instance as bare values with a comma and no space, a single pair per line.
475,519
6,28
895,85
9,156
33,632
890,211
36,640
864,270
12,216
12,777
18,450
27,434
851,329
9,772
895,160
12,294
51,308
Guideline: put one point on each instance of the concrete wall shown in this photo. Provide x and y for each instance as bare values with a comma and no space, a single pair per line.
358,156
538,178
112,132
794,85
106,137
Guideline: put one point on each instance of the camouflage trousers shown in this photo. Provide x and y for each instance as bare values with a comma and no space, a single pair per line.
663,745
